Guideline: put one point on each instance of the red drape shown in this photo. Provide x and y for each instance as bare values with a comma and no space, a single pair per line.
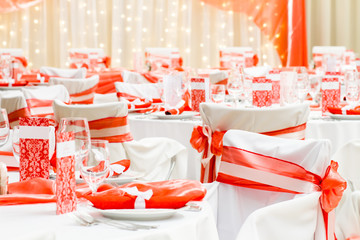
283,21
14,5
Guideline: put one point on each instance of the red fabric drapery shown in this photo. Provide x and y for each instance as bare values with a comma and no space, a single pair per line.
14,5
283,21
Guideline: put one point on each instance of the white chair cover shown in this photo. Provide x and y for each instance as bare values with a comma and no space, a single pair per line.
293,219
164,57
237,203
231,57
133,77
81,90
99,51
39,99
150,157
349,165
105,98
15,104
146,90
64,73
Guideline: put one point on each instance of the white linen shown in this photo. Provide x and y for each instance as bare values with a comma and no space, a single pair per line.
144,90
12,101
77,85
293,219
41,220
236,203
105,98
348,215
349,165
144,154
65,73
221,118
133,77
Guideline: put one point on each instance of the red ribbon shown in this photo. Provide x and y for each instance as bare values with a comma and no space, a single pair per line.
333,186
200,141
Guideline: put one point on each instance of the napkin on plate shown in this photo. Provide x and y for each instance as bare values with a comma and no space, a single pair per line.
165,194
35,190
344,110
139,103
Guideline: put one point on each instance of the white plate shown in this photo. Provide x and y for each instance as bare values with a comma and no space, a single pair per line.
138,109
344,117
184,115
121,179
138,214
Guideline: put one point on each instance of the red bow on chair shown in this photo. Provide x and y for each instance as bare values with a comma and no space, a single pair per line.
333,186
201,136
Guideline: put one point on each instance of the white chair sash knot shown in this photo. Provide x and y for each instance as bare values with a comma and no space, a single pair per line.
140,196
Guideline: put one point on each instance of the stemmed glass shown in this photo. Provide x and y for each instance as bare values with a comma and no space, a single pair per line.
16,143
4,127
352,87
95,168
234,86
315,82
5,67
218,93
80,127
302,85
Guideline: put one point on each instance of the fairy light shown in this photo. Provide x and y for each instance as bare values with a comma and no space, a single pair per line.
277,35
166,30
36,21
68,44
102,12
88,12
230,12
128,6
36,8
264,56
101,45
251,39
4,43
202,3
187,50
65,30
250,18
169,45
37,51
115,28
128,29
144,30
12,33
231,34
264,25
129,19
204,58
188,30
67,64
250,28
257,7
119,50
122,16
201,45
24,18
184,7
144,8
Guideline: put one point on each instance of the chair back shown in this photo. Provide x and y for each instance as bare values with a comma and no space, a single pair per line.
82,90
15,104
47,72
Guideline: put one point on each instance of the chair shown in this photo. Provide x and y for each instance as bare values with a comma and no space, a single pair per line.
40,99
89,58
286,122
156,58
82,91
109,121
231,57
257,171
17,54
47,72
15,104
132,91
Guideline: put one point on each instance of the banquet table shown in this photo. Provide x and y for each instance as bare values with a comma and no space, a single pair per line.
338,132
40,222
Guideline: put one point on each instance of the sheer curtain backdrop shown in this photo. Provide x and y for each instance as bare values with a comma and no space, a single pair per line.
123,27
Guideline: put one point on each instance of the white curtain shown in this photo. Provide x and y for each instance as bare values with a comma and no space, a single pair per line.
125,27
333,22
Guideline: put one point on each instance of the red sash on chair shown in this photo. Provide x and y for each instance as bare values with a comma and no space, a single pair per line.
202,137
243,168
113,129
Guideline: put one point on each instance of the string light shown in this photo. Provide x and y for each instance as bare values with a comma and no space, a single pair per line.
37,51
36,21
201,45
204,58
4,43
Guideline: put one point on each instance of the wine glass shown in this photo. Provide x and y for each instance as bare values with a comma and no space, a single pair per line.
352,88
5,67
234,86
16,143
95,168
302,84
80,127
315,82
4,127
218,93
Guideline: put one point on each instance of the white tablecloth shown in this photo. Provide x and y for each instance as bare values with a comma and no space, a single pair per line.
39,221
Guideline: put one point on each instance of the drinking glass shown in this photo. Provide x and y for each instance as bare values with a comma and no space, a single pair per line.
16,143
5,67
352,87
218,93
302,85
234,86
80,127
4,127
95,168
288,82
315,82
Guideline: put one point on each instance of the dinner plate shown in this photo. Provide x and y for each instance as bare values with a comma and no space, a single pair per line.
139,109
184,115
344,117
138,214
119,180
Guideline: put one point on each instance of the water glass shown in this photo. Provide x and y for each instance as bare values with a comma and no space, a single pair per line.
302,85
95,168
6,67
4,127
352,87
80,128
288,86
218,93
234,86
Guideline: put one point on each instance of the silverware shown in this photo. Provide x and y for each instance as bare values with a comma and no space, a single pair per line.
86,219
